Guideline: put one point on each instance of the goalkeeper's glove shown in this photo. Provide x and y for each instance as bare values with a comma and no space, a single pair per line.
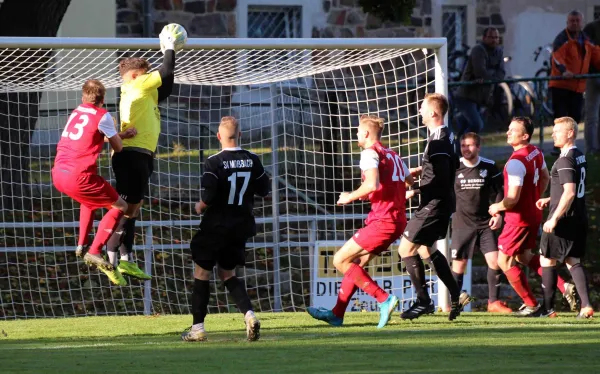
168,36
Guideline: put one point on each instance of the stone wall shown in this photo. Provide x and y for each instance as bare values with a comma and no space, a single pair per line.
129,16
489,15
344,19
201,18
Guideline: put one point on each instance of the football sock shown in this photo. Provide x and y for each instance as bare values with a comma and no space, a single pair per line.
549,279
105,230
534,265
517,279
416,271
128,238
493,279
117,238
347,290
458,278
237,290
363,280
198,327
443,271
578,274
112,257
86,219
200,299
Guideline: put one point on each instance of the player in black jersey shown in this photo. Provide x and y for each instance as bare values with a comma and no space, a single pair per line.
430,222
231,179
478,182
564,233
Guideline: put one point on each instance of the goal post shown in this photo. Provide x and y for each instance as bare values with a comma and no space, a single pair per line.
298,103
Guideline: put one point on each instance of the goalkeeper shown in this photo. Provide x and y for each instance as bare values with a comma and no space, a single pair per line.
141,92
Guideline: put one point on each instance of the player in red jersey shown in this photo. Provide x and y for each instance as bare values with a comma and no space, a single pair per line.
75,172
526,178
384,176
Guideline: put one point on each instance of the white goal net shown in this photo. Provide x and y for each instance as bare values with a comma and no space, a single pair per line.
298,102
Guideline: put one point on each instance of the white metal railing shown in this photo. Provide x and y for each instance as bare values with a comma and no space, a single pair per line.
148,247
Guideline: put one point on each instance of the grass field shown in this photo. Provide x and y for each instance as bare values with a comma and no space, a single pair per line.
294,343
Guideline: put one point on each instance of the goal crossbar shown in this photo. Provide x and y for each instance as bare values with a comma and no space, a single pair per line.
223,43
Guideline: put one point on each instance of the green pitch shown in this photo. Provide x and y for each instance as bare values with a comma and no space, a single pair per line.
293,342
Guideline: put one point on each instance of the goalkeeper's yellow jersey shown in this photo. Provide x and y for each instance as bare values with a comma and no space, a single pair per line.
139,108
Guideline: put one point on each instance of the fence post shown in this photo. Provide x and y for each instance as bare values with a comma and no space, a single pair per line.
148,250
312,238
275,202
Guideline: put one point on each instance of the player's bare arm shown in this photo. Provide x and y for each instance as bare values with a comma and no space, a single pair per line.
542,203
510,200
116,143
566,199
370,184
409,180
201,207
496,222
415,172
516,173
129,133
107,126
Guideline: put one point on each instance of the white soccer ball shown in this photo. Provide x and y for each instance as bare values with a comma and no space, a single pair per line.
173,33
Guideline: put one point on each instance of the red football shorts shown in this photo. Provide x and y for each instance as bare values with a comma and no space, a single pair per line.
377,236
90,190
515,239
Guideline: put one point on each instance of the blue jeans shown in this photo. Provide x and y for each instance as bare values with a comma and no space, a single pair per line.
468,119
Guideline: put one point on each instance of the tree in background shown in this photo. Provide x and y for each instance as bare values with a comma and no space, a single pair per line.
389,10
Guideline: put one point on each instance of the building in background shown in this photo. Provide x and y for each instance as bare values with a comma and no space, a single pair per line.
524,25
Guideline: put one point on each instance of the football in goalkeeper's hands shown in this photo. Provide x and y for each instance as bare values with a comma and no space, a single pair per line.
173,36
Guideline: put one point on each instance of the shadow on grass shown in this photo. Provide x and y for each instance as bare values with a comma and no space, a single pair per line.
515,349
401,330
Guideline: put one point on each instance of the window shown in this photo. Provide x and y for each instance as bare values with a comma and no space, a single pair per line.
591,11
277,19
274,22
595,14
277,22
454,26
455,19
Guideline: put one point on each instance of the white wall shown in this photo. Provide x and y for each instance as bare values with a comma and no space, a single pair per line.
84,18
530,25
89,18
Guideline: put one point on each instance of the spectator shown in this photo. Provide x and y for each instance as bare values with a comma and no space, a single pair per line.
592,95
572,53
486,62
